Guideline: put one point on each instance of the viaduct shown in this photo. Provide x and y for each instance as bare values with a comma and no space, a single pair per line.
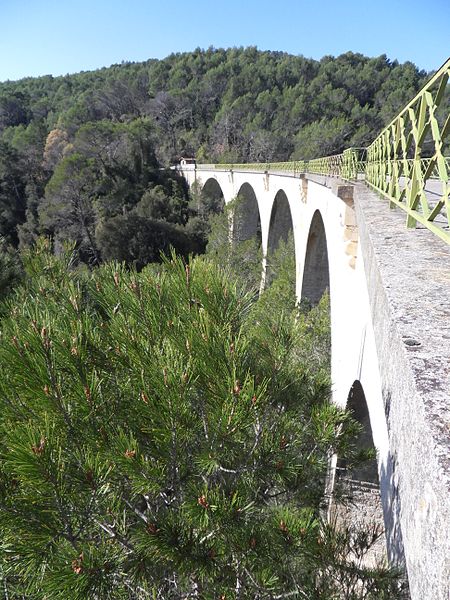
389,289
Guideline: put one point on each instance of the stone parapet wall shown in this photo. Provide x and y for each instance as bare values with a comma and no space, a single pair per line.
408,279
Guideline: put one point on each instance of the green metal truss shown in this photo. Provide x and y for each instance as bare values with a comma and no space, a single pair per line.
406,163
346,165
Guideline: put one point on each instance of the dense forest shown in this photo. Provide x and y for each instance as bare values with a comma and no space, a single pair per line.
82,157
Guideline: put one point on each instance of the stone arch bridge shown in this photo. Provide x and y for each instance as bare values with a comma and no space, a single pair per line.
390,327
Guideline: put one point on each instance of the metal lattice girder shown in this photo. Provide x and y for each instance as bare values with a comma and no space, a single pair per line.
406,162
346,165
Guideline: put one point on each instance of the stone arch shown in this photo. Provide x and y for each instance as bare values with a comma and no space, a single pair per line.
280,225
246,218
281,229
316,272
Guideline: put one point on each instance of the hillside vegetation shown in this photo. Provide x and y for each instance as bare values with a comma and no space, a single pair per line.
81,155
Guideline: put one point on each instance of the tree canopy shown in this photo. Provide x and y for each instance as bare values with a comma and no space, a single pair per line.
164,435
80,150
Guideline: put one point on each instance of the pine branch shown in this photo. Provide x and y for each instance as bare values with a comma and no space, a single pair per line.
114,535
136,511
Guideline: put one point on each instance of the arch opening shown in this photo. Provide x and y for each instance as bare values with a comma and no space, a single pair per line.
246,236
355,502
366,472
316,274
236,238
280,258
246,217
210,200
280,222
205,203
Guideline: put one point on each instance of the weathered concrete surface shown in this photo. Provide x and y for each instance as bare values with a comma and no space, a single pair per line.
408,279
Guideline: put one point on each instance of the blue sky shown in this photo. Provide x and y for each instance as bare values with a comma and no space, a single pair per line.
65,36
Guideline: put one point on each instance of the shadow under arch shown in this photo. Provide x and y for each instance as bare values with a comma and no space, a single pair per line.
212,197
281,232
355,501
316,273
357,405
246,217
368,485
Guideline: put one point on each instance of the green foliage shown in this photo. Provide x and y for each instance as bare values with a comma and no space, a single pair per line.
125,121
157,203
156,440
10,269
243,259
323,138
280,276
67,211
312,324
138,240
12,193
165,434
13,110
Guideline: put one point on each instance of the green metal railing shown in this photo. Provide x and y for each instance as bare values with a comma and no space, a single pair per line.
346,165
406,163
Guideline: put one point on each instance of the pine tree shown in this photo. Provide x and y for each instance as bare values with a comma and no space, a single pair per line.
10,268
157,443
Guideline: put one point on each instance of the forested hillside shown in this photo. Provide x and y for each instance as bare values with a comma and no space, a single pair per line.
81,155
